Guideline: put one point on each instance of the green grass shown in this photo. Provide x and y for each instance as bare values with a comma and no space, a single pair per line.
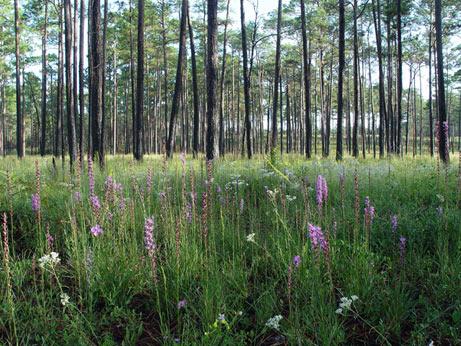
115,297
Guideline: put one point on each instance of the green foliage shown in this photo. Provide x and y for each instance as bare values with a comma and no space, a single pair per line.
232,261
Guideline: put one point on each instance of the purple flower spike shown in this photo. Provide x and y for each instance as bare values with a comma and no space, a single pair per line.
149,234
96,230
297,261
321,189
182,304
35,202
318,239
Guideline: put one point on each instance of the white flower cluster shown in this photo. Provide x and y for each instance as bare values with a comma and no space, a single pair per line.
49,260
251,238
274,322
346,304
290,198
64,299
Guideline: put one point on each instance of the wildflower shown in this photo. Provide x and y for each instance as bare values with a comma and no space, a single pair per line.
149,180
321,189
96,230
182,304
439,211
297,261
189,212
221,317
122,204
394,223
95,203
148,234
369,212
274,322
77,196
251,238
290,198
64,299
346,304
35,202
49,239
90,176
402,248
49,260
318,239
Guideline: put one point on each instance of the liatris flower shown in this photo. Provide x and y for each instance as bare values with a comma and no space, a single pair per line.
189,212
394,223
182,304
122,204
297,261
357,198
318,239
49,238
205,216
35,202
37,177
96,230
402,248
321,189
77,196
149,234
149,181
90,175
95,204
369,212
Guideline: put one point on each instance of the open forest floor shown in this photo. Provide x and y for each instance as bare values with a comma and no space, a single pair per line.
239,252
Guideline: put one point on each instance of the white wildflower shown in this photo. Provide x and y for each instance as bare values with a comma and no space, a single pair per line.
251,238
274,322
49,260
291,198
64,299
339,311
354,298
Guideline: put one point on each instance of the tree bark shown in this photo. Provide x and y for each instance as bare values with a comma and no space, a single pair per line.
20,147
443,123
138,150
178,89
307,80
195,135
44,84
276,77
339,128
246,81
72,144
212,145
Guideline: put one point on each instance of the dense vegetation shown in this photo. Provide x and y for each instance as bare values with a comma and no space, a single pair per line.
234,252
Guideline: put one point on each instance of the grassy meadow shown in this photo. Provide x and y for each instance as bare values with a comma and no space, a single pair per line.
237,252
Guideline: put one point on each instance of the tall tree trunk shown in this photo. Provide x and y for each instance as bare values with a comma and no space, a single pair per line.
115,105
339,128
132,81
221,86
276,77
212,145
96,81
81,78
307,80
382,102
180,74
102,143
443,123
44,85
195,135
20,147
165,69
390,111
69,83
431,121
399,77
138,152
75,75
246,81
355,145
